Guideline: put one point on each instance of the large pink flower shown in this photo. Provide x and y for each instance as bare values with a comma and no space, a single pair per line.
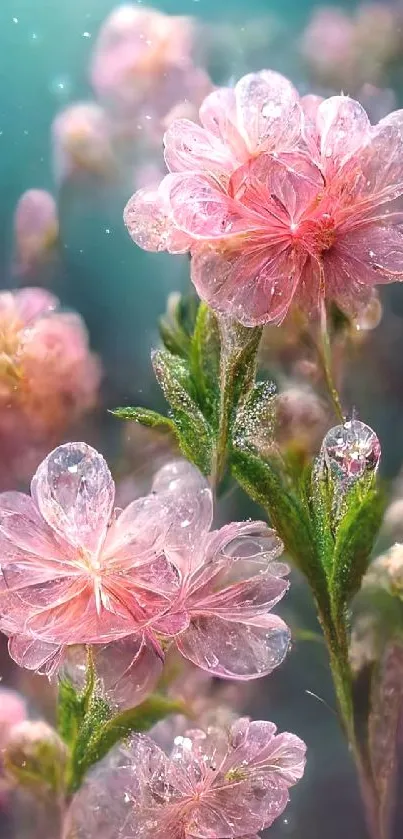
72,573
229,581
305,213
215,785
75,573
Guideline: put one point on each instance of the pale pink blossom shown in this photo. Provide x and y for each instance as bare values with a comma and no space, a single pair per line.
48,377
229,581
345,50
75,573
36,230
82,142
72,572
220,784
300,224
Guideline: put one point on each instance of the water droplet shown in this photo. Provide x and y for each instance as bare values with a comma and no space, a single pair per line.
351,450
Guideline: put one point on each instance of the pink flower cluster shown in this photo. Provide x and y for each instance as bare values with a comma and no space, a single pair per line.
278,199
219,784
36,231
76,572
48,377
347,50
143,67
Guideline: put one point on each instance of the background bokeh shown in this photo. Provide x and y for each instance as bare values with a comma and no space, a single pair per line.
45,52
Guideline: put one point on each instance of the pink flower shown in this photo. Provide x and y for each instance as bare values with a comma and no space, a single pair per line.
72,574
229,581
290,224
81,139
36,230
48,377
222,784
135,47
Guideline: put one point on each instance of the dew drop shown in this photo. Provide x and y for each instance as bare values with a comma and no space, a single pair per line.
351,450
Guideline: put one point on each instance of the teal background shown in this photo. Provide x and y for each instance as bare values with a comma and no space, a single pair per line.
120,291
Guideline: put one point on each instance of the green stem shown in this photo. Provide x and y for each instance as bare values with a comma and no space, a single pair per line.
343,684
325,355
238,361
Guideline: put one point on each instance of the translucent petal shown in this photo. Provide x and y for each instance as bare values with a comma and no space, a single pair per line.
127,670
188,147
218,114
22,527
254,282
149,222
74,491
343,128
35,655
236,650
189,498
268,111
203,210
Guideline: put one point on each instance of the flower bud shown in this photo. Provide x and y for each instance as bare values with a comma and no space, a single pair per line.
35,756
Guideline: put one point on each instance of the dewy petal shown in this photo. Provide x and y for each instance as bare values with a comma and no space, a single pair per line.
257,745
188,147
202,209
74,491
22,529
138,533
381,162
190,500
244,540
245,599
252,282
35,655
343,127
127,671
218,114
149,222
268,111
236,650
362,259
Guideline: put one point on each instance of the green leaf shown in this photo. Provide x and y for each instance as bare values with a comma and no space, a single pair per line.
239,346
70,712
115,729
255,419
204,361
354,540
145,417
193,431
177,324
266,483
98,713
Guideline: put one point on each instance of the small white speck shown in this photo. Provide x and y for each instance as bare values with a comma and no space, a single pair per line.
107,230
26,132
86,34
15,19
34,36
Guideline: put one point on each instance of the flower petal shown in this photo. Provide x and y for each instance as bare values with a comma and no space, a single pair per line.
236,650
343,128
203,210
74,491
257,745
190,500
188,147
149,222
218,114
268,111
22,529
35,655
127,671
254,282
